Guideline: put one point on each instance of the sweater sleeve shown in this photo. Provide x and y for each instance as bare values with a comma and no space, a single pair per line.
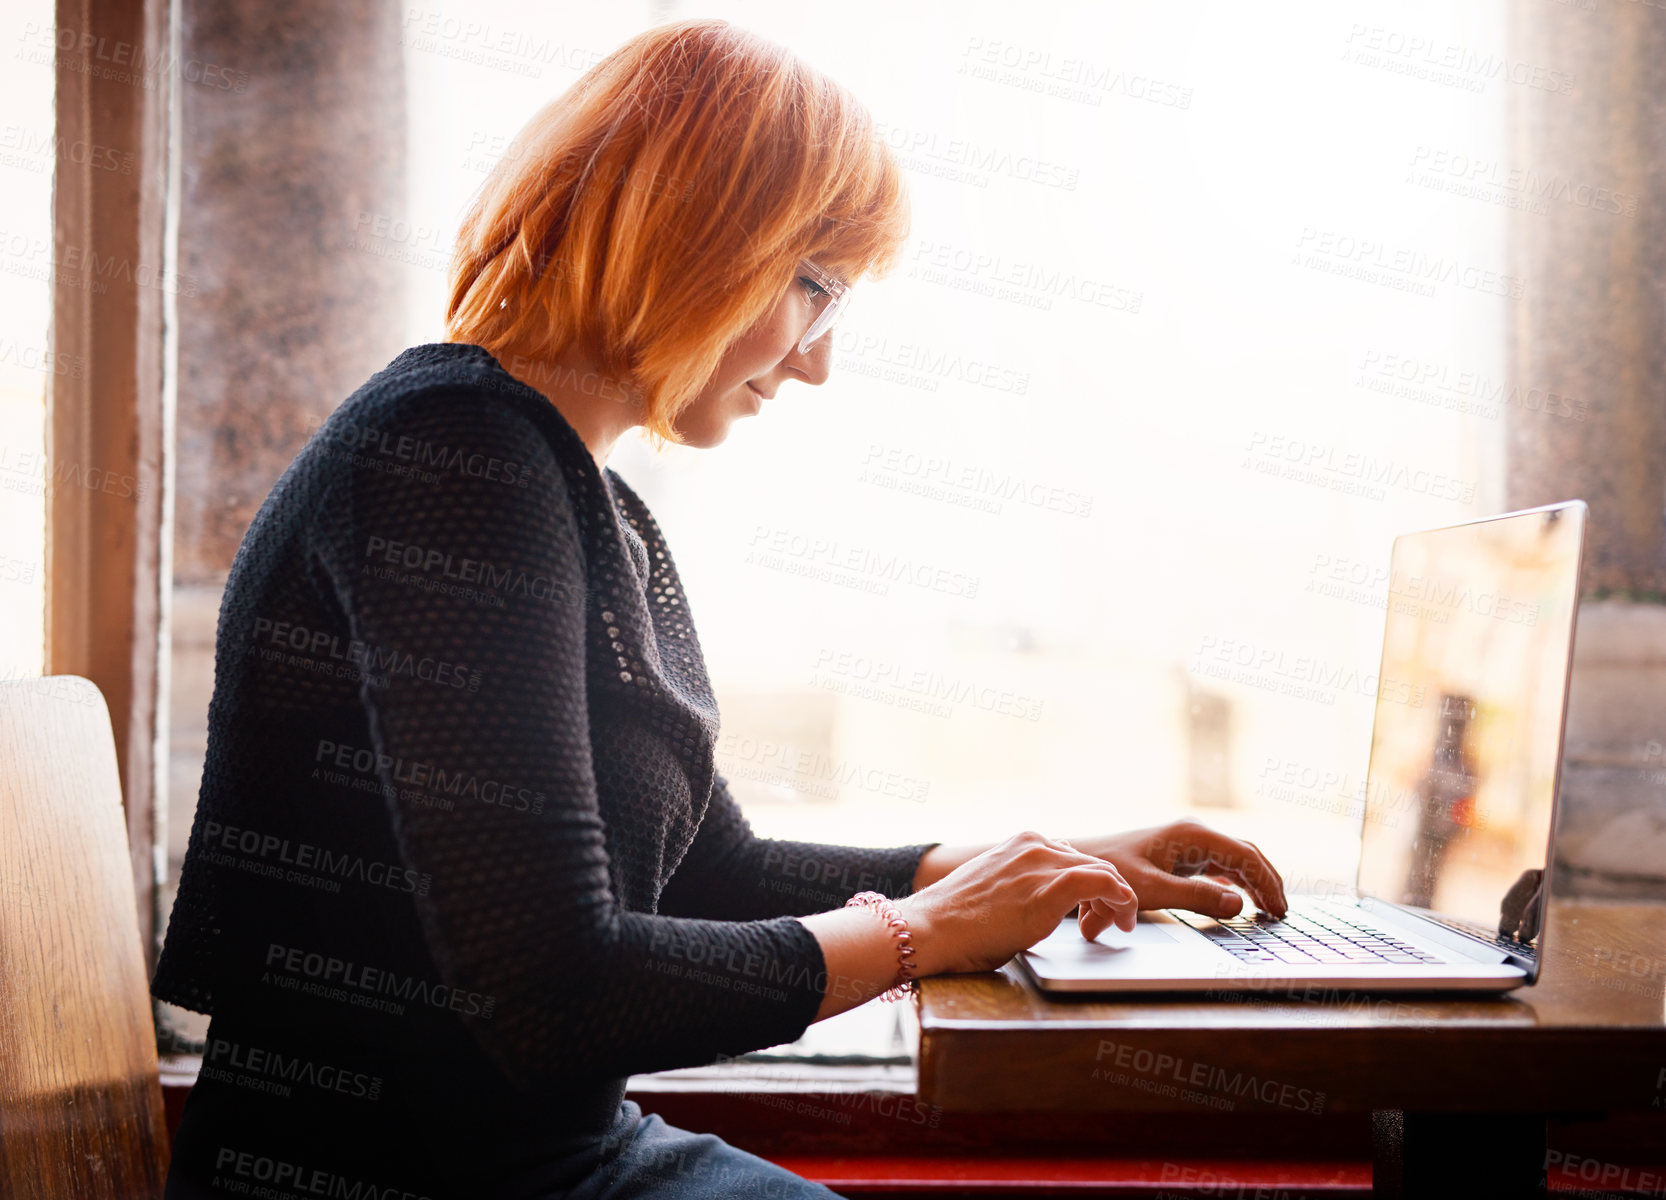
733,875
520,907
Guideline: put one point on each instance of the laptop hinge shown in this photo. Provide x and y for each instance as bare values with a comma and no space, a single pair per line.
1429,925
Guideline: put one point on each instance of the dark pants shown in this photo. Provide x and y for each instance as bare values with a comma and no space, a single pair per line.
648,1158
289,1108
227,1147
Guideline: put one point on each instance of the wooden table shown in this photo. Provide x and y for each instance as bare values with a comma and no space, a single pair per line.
1474,1078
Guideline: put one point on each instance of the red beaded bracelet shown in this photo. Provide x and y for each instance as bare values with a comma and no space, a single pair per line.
898,924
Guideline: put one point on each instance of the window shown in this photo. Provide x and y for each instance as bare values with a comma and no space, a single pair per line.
1026,560
27,152
1088,529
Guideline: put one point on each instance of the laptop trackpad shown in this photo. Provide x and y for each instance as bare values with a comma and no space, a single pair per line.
1151,929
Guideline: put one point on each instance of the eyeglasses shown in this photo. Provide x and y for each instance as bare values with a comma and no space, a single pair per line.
832,301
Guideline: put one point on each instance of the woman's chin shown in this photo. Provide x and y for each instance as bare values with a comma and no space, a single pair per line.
705,432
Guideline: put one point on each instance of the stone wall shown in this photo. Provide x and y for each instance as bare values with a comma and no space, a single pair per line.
1591,326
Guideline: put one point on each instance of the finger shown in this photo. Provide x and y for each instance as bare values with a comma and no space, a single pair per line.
1242,859
1098,881
1102,914
1232,874
1267,897
1195,893
1122,908
1092,919
1199,865
1113,888
1097,917
1273,904
1262,880
1069,855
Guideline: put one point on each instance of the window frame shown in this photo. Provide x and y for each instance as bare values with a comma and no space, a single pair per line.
108,515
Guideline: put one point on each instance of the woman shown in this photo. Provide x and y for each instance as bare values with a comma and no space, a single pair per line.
462,861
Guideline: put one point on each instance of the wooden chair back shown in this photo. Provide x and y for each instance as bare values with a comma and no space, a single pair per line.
80,1103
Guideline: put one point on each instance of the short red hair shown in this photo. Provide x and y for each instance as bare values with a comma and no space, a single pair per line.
657,210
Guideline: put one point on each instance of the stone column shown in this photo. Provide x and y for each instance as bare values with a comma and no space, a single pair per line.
1588,362
302,131
287,319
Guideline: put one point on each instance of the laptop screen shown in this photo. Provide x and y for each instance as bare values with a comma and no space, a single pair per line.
1468,732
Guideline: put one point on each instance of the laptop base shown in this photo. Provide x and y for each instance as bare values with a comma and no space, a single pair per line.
1164,954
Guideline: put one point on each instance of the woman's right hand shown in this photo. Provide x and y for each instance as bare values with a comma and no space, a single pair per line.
1007,899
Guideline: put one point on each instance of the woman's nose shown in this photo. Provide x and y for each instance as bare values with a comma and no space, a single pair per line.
816,363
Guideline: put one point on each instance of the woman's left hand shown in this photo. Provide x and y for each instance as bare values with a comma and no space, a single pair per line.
1184,864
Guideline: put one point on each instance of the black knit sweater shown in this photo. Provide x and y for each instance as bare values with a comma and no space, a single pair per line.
460,825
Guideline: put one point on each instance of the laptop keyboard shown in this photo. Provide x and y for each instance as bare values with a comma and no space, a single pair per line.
1307,937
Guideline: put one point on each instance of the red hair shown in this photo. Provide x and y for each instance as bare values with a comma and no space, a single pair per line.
657,210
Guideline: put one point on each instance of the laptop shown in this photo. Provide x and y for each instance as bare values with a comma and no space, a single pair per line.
1459,810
